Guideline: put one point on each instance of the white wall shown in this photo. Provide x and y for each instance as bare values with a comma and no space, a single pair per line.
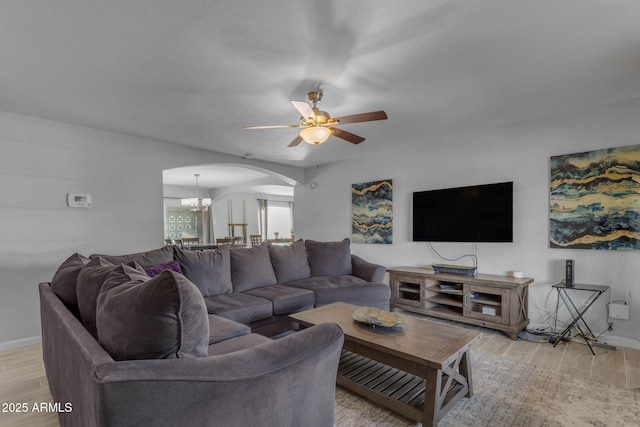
518,153
40,162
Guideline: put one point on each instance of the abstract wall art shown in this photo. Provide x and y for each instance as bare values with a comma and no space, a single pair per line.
372,212
594,200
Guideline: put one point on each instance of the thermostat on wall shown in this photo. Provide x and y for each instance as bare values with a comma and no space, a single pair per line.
75,200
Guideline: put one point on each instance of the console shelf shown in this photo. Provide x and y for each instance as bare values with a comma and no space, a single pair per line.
491,301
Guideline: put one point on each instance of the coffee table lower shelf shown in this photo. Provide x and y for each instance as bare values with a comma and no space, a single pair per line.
398,390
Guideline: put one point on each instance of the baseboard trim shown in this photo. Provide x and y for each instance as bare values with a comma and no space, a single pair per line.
10,345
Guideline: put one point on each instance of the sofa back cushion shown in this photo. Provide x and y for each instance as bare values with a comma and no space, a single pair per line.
329,258
251,268
161,255
65,278
90,279
210,271
151,318
289,261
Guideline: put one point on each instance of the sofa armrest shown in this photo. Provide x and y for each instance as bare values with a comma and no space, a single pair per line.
289,381
366,270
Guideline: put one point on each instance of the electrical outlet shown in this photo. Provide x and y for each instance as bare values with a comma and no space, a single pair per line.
619,310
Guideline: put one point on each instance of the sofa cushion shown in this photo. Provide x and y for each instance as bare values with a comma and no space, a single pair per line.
285,299
161,255
251,268
329,258
90,280
349,289
154,270
221,329
151,318
241,308
289,261
65,278
210,271
237,344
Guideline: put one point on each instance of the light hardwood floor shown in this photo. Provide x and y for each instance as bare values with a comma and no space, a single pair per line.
23,380
619,367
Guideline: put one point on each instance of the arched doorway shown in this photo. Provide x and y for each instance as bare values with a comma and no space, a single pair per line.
230,201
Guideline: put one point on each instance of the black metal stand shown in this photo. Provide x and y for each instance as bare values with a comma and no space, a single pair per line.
577,313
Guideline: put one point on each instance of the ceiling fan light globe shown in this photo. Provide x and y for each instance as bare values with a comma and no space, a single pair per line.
315,135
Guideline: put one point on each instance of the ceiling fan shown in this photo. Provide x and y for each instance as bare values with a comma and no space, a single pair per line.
317,125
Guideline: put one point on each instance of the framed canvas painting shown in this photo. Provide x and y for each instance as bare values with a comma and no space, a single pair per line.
594,199
372,212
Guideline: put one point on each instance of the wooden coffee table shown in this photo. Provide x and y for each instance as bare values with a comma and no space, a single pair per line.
420,370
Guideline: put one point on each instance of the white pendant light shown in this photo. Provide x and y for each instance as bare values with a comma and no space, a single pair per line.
315,135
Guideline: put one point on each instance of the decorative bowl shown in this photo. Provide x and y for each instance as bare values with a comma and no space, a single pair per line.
377,317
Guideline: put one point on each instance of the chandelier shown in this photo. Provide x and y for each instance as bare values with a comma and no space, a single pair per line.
198,204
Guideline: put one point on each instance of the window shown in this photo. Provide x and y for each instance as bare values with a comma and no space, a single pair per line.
185,221
276,217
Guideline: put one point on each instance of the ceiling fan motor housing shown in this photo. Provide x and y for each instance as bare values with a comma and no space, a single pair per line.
315,96
321,118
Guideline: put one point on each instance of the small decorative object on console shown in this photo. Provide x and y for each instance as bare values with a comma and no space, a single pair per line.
454,269
377,317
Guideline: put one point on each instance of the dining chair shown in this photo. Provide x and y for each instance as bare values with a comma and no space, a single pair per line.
189,240
225,241
256,239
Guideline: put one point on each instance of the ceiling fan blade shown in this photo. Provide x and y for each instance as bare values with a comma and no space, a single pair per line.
297,140
271,127
304,109
363,117
347,136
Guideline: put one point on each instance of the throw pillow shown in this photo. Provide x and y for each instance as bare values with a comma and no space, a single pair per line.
329,258
65,278
210,271
153,257
251,268
151,318
90,279
289,261
154,270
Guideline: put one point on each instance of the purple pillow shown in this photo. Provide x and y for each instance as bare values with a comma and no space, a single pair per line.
154,270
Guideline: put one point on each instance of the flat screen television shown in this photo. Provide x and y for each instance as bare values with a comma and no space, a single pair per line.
479,213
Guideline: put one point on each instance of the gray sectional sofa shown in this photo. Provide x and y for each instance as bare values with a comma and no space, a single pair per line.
176,337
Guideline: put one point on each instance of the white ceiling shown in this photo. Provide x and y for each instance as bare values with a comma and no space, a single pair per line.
195,71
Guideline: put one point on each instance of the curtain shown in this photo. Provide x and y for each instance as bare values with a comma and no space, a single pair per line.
207,225
262,226
291,214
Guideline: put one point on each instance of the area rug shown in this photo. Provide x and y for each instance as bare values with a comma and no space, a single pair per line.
511,393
